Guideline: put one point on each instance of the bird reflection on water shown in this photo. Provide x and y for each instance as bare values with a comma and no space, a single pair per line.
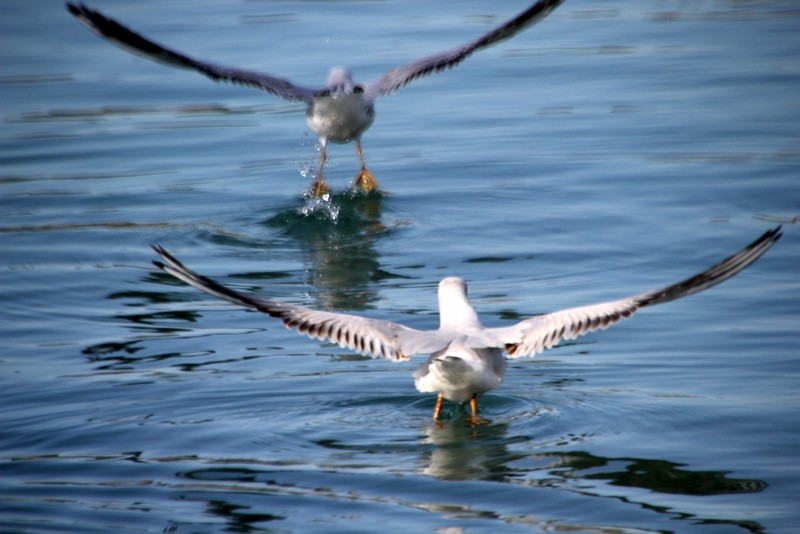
456,451
339,252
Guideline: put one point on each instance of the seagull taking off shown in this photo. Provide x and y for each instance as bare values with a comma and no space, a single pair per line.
466,359
342,109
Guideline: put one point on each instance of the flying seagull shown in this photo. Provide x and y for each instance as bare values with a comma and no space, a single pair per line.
341,110
466,359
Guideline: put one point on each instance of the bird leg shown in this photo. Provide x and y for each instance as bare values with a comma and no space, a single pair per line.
365,181
438,407
473,406
319,188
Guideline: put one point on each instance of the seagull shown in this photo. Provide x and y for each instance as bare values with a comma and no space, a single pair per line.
341,110
466,359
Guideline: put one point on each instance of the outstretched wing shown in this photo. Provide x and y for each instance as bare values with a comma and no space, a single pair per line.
398,77
125,38
542,332
371,337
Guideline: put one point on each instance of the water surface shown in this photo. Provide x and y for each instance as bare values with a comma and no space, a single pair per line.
609,150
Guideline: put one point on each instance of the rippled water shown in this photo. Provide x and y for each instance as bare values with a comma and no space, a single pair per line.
609,150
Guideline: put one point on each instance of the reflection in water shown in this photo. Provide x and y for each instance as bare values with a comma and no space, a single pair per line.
136,349
246,494
338,244
118,356
483,452
468,452
239,518
655,475
461,452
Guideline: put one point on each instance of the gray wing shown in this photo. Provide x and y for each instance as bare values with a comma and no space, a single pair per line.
398,77
121,36
370,337
545,331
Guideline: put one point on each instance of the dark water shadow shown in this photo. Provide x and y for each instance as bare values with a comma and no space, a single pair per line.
490,452
597,476
456,451
136,350
660,476
337,238
337,242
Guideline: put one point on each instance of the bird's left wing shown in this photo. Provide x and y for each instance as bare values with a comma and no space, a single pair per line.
542,332
398,77
116,33
370,337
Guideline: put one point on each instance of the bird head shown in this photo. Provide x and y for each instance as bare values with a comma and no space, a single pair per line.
341,81
455,311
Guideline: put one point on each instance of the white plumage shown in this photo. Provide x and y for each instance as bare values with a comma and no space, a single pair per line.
466,359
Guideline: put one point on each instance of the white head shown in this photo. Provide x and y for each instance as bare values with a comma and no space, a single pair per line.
455,311
340,79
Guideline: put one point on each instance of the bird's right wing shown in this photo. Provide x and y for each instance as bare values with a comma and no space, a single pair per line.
123,37
542,332
370,337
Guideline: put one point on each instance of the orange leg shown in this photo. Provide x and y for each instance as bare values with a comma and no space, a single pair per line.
438,407
319,188
473,406
364,180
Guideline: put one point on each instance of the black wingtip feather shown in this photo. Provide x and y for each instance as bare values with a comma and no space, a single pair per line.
718,273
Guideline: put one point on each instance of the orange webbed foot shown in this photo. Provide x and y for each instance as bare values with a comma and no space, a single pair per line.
365,181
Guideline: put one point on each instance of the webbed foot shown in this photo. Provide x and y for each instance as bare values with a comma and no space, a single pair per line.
365,181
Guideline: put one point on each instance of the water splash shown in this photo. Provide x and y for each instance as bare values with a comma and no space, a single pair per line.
320,207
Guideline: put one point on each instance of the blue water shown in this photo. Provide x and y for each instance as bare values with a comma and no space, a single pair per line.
612,149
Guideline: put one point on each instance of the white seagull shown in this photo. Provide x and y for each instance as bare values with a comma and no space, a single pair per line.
342,109
466,359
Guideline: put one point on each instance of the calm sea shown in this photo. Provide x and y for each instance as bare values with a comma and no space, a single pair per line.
611,149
